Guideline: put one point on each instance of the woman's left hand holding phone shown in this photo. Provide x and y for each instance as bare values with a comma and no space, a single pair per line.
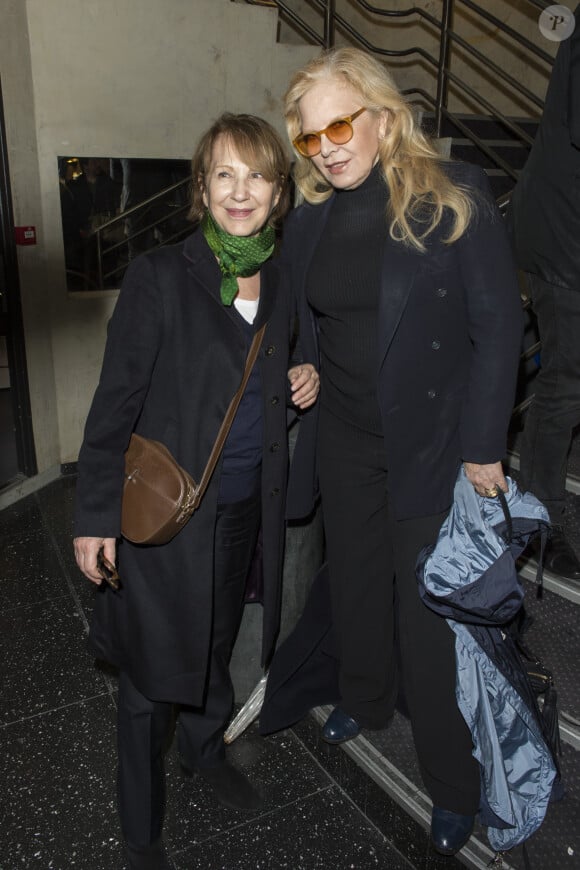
87,555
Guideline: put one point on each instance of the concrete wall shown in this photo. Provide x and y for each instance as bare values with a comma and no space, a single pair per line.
126,78
18,99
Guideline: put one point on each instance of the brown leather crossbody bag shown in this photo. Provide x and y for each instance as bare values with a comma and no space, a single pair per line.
159,496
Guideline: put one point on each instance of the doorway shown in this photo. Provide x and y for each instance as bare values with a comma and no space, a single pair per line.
17,456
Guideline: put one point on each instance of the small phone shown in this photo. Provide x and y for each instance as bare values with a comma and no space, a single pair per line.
108,571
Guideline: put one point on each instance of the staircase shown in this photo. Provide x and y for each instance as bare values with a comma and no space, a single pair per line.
487,135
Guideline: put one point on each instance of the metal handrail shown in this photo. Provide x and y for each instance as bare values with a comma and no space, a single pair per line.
509,31
329,22
141,205
490,65
298,22
448,39
485,149
511,125
386,13
397,13
345,27
103,249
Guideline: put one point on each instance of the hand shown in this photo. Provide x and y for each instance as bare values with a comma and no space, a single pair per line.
486,478
86,550
305,385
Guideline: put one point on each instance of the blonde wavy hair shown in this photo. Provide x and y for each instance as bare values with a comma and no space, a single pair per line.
420,190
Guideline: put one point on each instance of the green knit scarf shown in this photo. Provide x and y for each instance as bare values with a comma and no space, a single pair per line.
238,256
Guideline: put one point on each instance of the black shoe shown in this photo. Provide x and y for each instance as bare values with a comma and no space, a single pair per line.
153,857
560,558
450,831
230,786
340,727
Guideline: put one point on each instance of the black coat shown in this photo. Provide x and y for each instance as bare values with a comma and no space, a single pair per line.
174,358
449,333
545,205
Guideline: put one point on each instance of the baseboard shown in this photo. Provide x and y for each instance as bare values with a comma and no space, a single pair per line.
23,486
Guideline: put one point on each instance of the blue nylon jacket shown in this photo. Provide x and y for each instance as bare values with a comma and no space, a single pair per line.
470,578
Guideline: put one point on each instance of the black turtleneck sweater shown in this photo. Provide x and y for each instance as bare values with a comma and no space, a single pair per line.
343,288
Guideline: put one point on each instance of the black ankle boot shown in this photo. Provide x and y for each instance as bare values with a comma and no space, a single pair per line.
340,727
450,831
230,786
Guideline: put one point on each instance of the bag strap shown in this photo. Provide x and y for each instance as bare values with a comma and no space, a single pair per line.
509,534
229,417
509,529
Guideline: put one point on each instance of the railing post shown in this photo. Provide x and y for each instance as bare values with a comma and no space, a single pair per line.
329,24
442,80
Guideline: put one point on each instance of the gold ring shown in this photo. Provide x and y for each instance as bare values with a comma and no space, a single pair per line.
491,493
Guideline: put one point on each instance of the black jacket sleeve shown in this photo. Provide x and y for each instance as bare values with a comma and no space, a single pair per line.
495,326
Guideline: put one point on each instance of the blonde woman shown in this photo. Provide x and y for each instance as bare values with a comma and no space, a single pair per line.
406,289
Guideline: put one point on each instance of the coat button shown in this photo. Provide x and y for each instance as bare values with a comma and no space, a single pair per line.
441,292
275,491
270,350
274,447
431,394
274,400
435,345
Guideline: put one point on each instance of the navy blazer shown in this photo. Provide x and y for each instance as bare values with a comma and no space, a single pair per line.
449,334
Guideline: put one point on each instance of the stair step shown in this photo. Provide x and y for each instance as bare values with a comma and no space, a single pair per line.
572,478
492,143
513,153
482,125
552,582
387,758
403,790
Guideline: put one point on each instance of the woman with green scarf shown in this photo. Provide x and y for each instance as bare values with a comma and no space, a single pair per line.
175,354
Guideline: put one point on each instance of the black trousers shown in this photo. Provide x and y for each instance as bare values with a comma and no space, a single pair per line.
144,725
374,596
555,411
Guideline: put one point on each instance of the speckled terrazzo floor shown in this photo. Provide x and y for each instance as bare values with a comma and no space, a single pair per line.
57,745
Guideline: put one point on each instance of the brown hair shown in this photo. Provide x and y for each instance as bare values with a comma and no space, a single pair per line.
420,190
257,143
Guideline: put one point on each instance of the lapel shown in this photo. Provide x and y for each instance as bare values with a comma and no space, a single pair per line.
313,222
202,265
268,293
400,264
